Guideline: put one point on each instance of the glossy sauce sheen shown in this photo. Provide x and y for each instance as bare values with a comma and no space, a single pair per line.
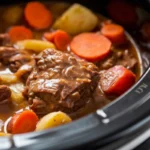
127,52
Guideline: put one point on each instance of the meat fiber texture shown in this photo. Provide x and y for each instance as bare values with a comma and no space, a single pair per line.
60,81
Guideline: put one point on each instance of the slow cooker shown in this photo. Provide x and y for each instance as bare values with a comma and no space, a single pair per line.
123,124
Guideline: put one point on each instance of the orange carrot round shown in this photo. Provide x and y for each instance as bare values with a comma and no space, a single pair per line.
90,46
23,122
18,33
60,38
117,80
122,12
37,15
49,36
114,32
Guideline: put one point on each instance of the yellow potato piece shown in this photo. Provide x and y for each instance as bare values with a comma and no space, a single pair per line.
34,45
17,98
53,120
4,134
76,19
8,78
13,14
16,93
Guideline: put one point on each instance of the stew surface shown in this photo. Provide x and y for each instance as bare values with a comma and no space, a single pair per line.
59,62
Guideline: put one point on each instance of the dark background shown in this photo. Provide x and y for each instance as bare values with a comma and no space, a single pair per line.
97,5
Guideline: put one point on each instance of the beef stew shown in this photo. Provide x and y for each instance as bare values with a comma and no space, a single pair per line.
59,62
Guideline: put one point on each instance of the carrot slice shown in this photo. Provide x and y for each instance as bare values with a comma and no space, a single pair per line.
37,15
117,80
18,33
90,46
49,36
122,12
23,122
114,32
60,38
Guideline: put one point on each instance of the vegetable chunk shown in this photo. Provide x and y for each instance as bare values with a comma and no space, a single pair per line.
90,46
18,33
16,93
23,122
60,38
34,45
117,80
115,33
4,134
52,120
37,15
8,79
76,19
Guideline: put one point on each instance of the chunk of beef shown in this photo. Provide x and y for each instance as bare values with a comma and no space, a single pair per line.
5,93
13,57
123,58
127,60
60,81
25,70
4,39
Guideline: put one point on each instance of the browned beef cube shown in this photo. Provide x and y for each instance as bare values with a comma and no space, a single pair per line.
13,57
60,81
5,93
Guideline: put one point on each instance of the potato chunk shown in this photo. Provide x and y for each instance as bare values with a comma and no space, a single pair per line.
52,120
8,78
16,93
4,134
76,19
34,45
